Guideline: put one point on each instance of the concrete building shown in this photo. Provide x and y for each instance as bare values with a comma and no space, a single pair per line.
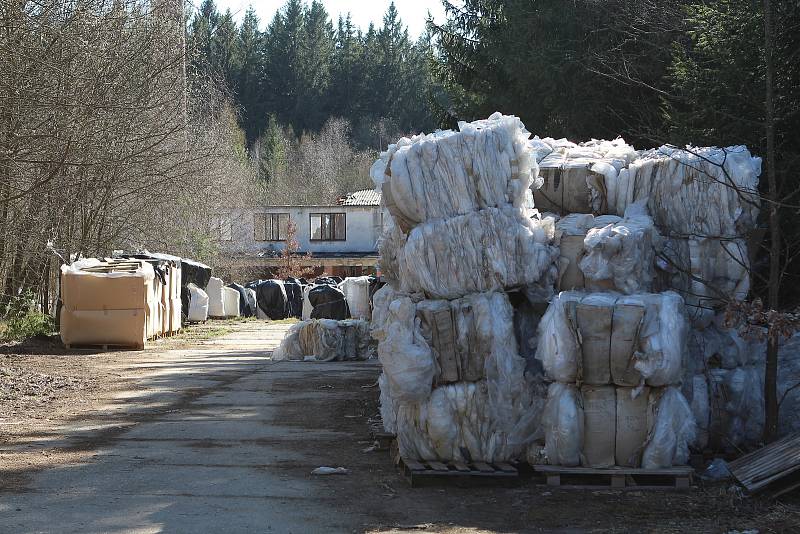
342,238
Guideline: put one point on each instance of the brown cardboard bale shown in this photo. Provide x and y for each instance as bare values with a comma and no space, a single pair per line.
96,291
599,426
631,426
627,321
104,327
594,325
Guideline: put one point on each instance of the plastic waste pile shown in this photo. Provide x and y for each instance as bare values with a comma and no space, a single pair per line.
484,359
454,386
327,340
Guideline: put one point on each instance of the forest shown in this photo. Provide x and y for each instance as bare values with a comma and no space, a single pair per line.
125,123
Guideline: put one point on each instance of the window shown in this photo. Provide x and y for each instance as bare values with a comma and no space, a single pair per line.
270,226
221,227
328,227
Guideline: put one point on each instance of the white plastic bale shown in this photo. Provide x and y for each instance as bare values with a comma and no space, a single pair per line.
510,402
707,272
390,243
231,301
673,430
356,292
621,256
658,349
693,191
487,250
307,307
326,340
487,163
198,304
562,421
216,304
701,409
567,170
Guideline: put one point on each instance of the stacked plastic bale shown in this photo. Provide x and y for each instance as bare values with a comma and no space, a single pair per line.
454,386
615,361
327,340
705,203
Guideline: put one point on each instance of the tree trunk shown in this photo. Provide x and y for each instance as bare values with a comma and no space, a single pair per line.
771,374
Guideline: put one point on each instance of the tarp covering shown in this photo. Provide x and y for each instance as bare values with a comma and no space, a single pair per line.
271,298
247,301
328,302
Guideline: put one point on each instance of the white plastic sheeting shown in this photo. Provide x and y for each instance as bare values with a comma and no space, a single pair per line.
568,169
488,250
707,272
602,335
198,304
710,192
621,256
326,340
356,292
483,401
231,301
487,163
562,421
405,355
673,430
216,303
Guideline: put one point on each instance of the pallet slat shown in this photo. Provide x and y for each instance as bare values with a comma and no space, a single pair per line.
433,472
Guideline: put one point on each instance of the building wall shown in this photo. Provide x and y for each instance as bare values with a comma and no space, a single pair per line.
364,225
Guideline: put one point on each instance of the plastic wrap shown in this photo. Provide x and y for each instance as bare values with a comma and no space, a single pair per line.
621,256
231,298
387,406
326,340
485,164
711,192
707,272
614,338
356,291
567,171
487,250
216,303
405,355
562,421
632,425
198,304
673,429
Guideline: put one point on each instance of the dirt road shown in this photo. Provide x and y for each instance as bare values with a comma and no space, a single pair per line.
217,438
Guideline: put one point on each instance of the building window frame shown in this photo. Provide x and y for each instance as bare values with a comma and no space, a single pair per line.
333,227
273,231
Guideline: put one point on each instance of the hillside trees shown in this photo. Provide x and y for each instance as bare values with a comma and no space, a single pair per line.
100,146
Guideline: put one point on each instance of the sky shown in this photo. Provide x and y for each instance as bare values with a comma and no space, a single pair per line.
412,12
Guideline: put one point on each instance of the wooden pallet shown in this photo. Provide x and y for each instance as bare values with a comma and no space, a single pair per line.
101,347
425,473
617,477
774,469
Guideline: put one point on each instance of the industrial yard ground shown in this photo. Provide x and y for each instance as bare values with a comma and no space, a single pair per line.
206,434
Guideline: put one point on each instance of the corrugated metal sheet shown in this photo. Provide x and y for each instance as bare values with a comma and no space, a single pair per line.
364,197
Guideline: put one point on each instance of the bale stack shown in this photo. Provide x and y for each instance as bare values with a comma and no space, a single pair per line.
109,303
615,361
454,386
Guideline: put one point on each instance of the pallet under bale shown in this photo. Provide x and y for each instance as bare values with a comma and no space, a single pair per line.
670,478
421,473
